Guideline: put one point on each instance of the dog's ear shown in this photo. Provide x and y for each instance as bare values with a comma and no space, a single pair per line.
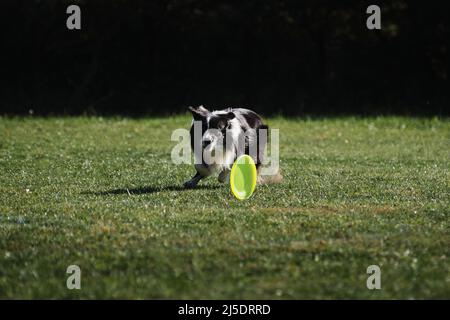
230,116
199,113
203,109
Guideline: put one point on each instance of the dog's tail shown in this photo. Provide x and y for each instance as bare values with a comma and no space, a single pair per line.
270,179
266,179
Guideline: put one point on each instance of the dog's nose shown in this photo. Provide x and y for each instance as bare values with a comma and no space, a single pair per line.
206,143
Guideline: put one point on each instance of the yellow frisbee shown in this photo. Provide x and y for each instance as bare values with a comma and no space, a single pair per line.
243,177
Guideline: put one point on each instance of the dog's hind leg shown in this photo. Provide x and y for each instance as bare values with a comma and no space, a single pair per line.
194,181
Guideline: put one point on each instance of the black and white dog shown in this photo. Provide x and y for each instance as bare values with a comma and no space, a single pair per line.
231,132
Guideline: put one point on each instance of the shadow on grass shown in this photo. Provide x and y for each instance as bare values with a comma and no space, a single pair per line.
149,189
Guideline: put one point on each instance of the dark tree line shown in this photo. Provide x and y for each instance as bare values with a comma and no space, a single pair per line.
291,57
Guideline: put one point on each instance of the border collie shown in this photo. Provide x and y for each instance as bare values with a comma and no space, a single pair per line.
225,135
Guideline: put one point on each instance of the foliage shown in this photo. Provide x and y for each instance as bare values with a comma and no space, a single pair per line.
291,57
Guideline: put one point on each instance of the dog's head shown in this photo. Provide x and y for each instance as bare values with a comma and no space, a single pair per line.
214,125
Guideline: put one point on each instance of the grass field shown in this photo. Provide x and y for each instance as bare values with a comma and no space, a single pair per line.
103,194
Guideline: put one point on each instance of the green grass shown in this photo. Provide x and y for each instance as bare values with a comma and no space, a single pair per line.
103,194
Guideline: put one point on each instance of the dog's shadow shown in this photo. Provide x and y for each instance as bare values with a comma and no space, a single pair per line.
149,190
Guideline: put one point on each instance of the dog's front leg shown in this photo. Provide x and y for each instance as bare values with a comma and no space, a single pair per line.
194,181
224,176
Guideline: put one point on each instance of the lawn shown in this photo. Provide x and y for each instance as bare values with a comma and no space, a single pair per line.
103,194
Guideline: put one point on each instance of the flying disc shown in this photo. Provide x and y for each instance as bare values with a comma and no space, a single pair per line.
243,177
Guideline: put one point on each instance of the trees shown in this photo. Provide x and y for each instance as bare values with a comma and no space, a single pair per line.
289,56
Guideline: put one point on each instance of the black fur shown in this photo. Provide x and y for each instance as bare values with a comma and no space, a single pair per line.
229,122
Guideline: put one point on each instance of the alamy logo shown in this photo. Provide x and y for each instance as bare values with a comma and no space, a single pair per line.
74,280
224,143
374,280
73,22
374,20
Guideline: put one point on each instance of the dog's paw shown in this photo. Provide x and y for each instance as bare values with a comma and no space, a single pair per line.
190,184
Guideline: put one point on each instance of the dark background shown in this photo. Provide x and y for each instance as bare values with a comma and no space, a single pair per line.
291,57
